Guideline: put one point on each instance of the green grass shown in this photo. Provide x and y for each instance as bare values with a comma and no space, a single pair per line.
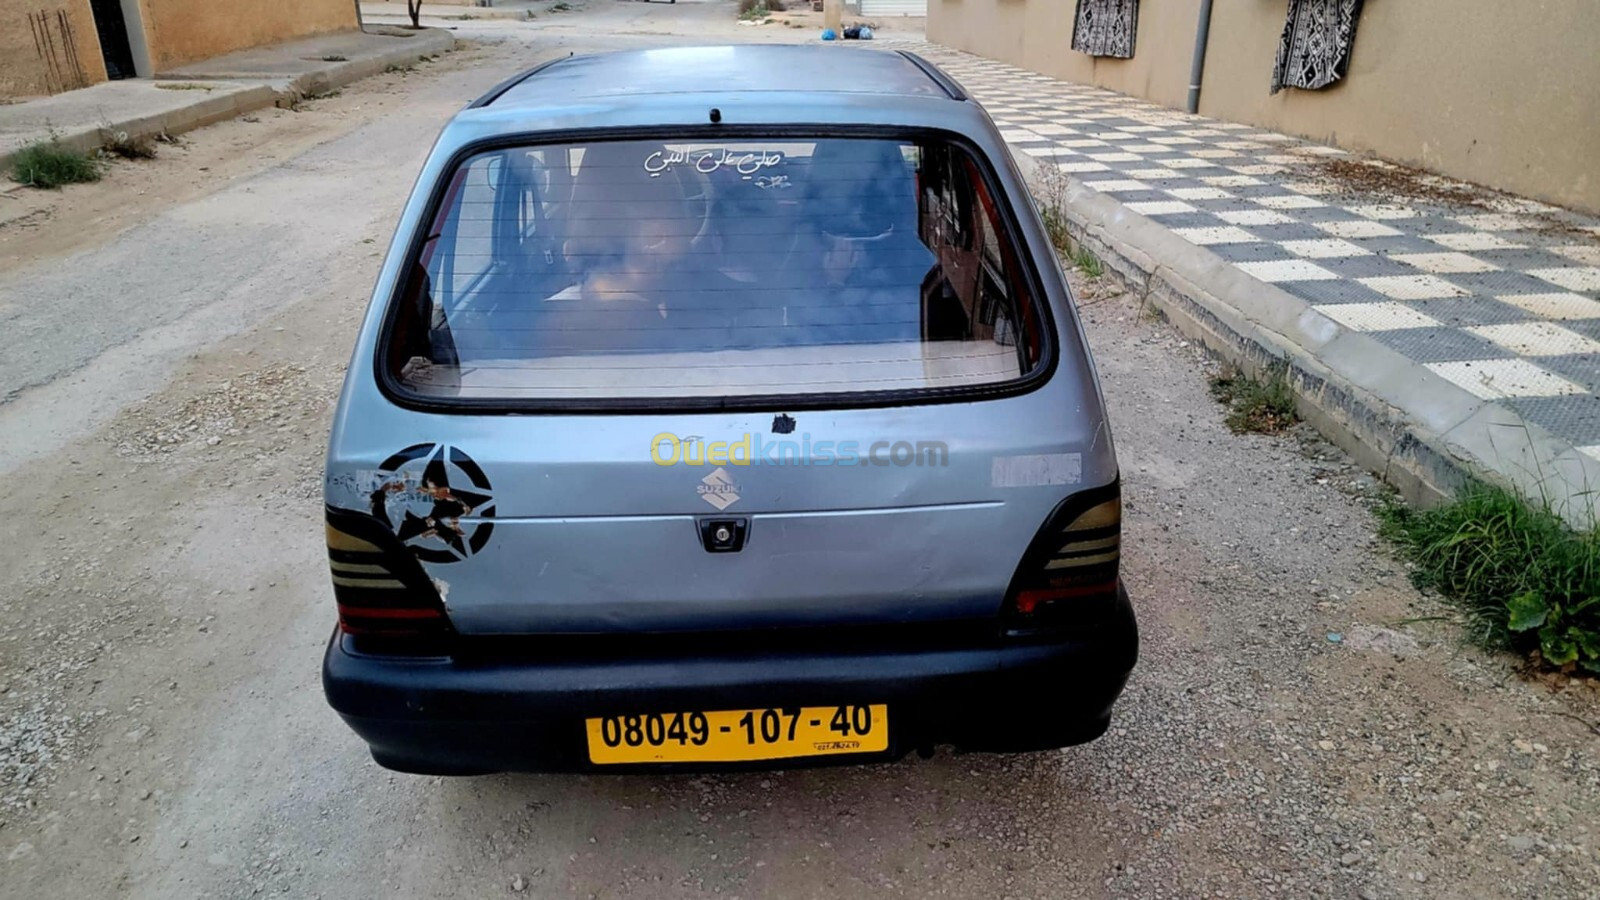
751,12
1087,262
49,165
1050,186
1524,579
1055,225
1262,405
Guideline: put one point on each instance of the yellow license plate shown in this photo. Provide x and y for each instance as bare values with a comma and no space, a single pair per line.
739,735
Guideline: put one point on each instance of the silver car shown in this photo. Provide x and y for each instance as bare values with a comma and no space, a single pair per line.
721,407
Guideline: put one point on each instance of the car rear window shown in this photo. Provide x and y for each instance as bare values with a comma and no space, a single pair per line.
649,269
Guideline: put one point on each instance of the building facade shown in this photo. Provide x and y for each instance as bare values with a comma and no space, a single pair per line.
1505,95
48,46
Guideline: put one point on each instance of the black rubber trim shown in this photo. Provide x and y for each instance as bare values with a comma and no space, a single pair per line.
495,92
1050,344
939,75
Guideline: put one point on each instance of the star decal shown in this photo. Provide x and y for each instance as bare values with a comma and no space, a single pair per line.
432,507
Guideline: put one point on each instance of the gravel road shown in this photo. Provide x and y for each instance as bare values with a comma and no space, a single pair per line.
1302,722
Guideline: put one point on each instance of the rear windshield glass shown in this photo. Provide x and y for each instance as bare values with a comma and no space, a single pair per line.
642,269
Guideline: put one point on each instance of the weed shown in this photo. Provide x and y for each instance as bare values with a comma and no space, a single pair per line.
1262,405
47,164
756,10
334,57
1055,225
1525,580
324,95
394,67
561,6
1086,262
127,146
184,86
1051,194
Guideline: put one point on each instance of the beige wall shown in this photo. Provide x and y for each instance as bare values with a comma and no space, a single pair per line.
23,72
183,31
1502,94
175,31
1037,34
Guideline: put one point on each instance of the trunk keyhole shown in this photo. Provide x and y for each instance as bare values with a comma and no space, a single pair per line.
723,535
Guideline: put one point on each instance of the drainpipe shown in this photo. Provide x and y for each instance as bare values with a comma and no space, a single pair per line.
1201,34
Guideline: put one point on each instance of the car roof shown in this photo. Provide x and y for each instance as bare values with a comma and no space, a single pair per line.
728,70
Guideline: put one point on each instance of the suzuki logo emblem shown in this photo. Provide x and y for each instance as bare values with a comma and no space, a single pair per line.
718,489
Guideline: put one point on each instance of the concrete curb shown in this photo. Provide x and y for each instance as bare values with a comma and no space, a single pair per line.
210,107
467,14
333,75
229,96
427,42
1421,433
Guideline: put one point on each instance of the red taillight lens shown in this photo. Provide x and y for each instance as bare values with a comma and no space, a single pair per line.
381,590
1072,565
1037,599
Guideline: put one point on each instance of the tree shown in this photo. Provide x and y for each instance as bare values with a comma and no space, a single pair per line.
414,9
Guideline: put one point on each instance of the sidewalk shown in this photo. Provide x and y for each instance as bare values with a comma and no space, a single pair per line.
394,11
196,95
1434,328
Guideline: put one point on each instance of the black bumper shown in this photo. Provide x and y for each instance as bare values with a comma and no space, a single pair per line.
448,716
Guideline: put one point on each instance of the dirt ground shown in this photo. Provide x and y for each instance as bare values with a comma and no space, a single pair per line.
1302,722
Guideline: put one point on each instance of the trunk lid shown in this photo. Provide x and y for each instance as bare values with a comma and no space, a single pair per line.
571,524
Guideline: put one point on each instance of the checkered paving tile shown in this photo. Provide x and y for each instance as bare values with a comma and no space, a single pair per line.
1501,297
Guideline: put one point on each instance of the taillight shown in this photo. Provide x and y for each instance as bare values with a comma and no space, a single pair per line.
381,590
1070,570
